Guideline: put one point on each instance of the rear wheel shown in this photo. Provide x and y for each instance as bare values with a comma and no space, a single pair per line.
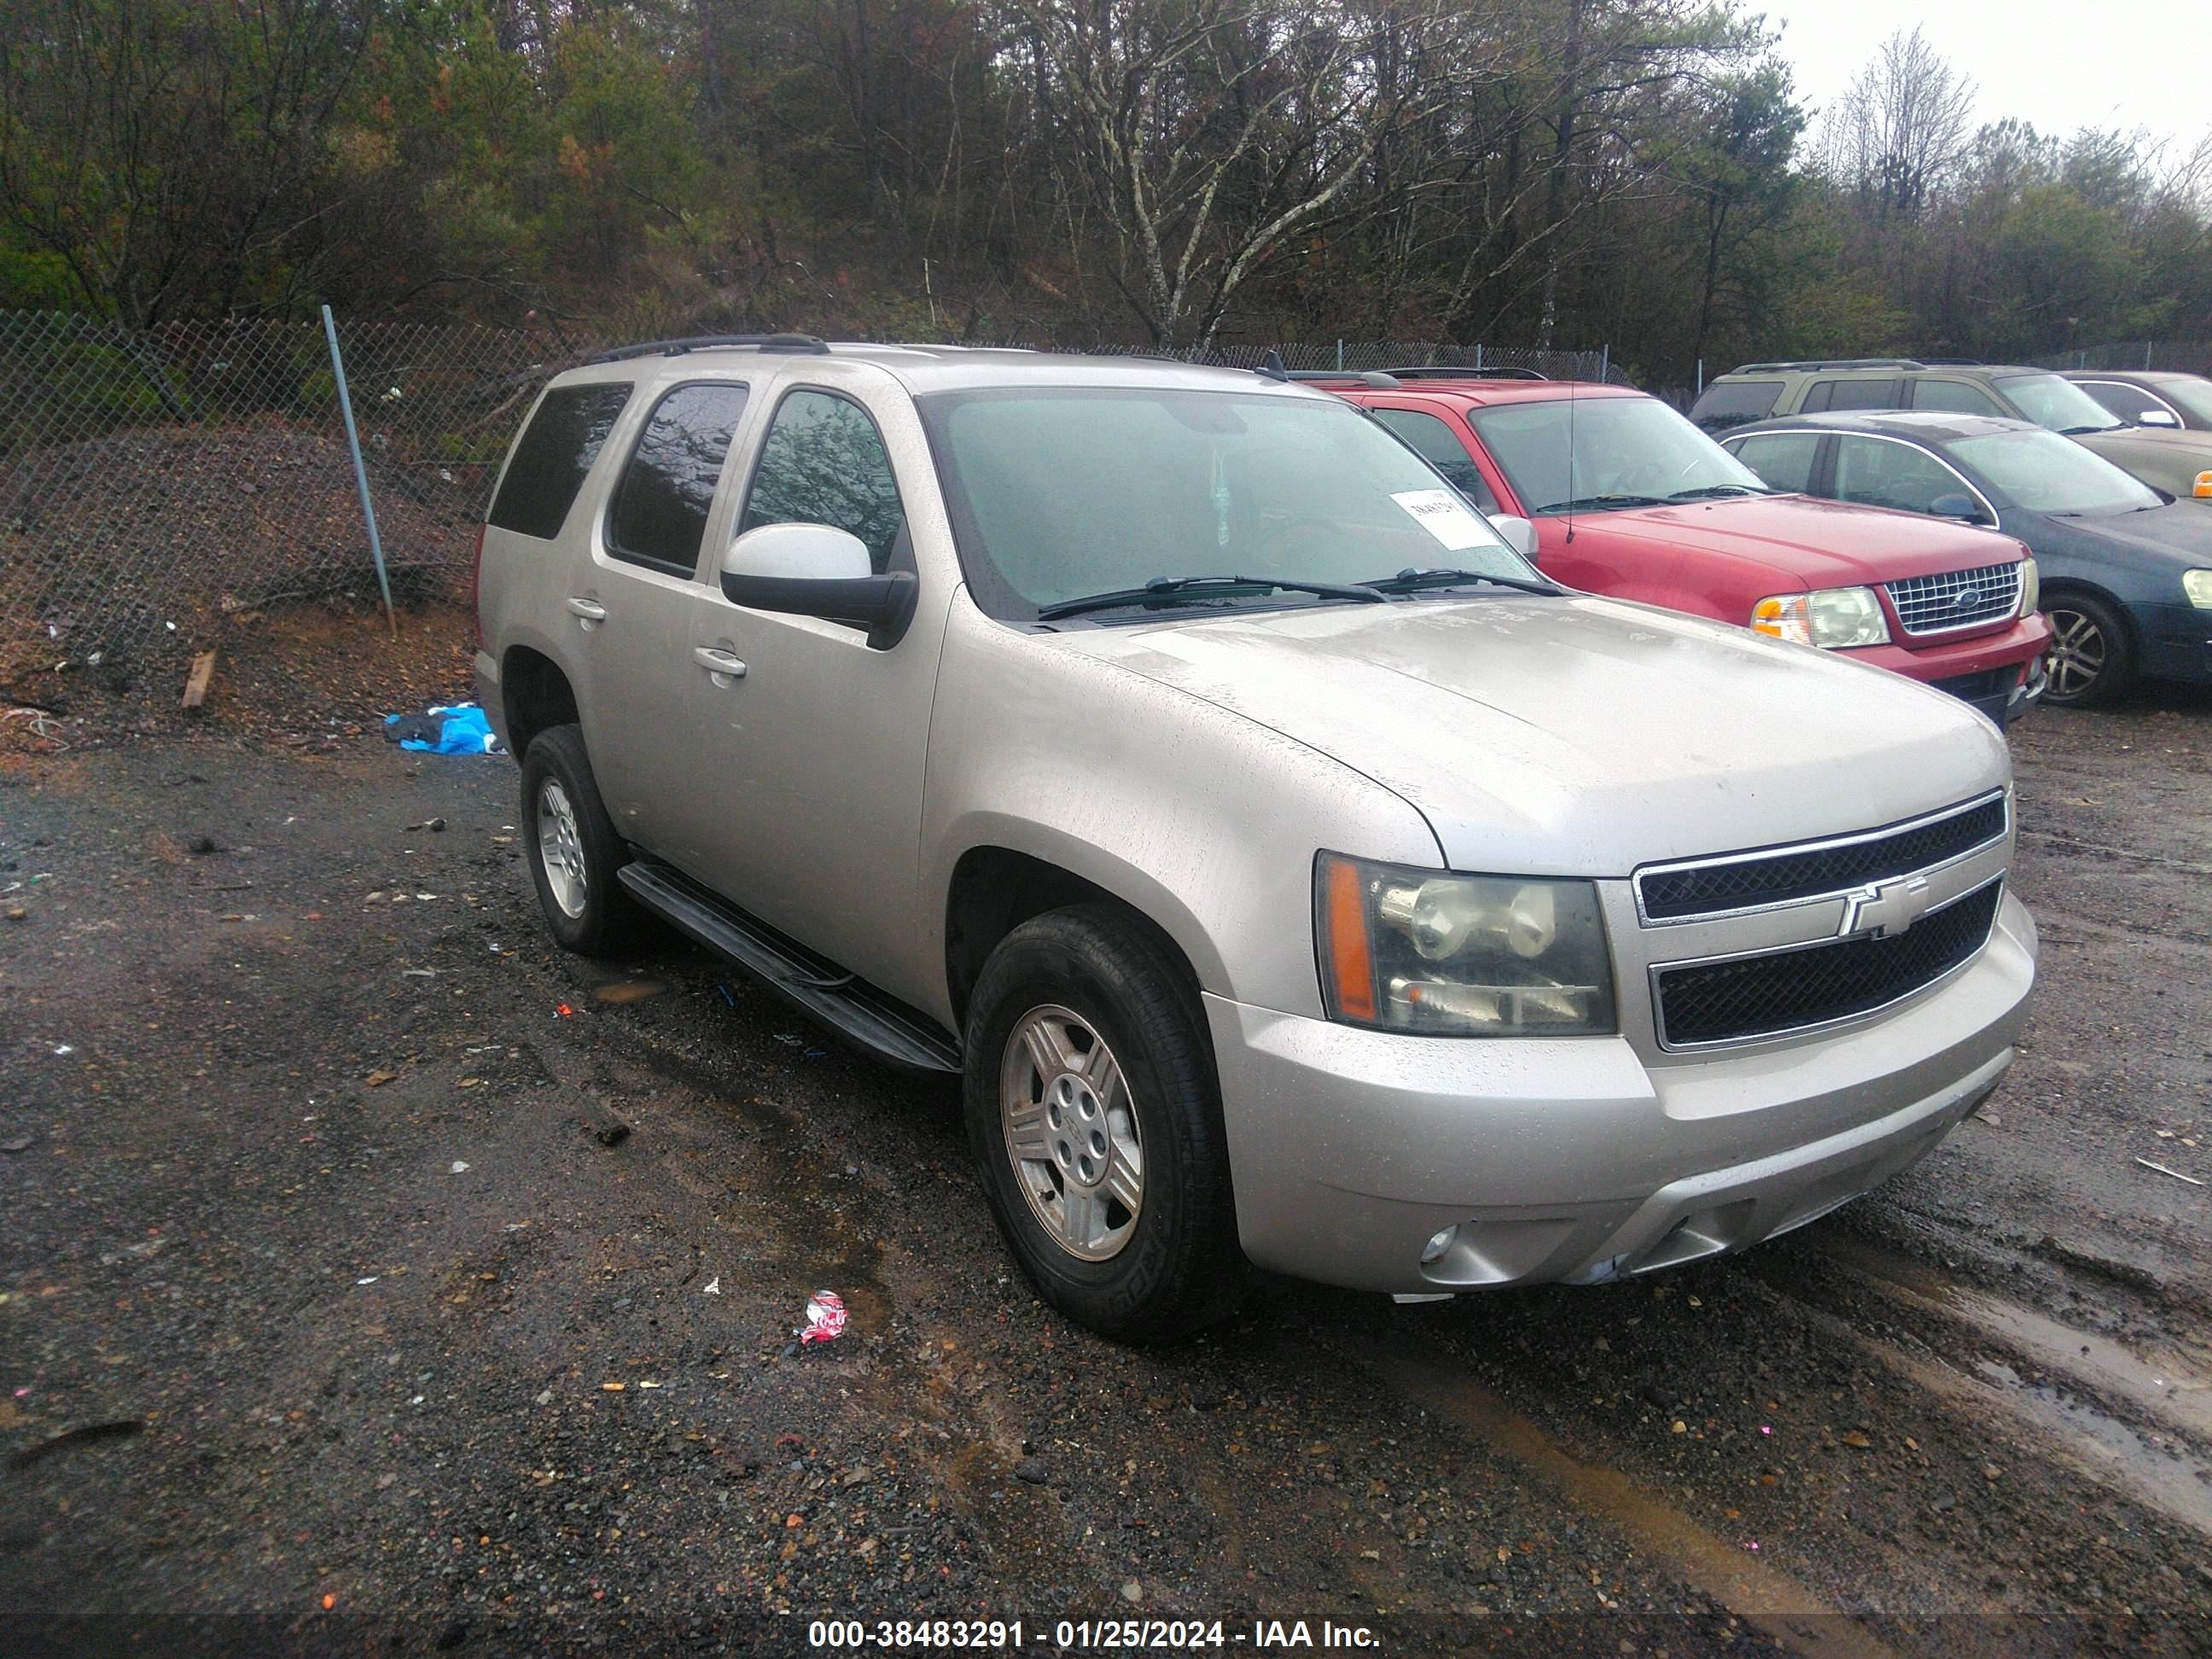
1096,1122
2092,655
574,852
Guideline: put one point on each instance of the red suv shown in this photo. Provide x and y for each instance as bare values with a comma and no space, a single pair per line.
1628,499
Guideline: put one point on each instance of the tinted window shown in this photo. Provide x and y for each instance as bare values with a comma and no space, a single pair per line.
2129,402
1856,394
1725,404
1953,397
1432,441
659,511
1875,472
825,463
1783,459
564,438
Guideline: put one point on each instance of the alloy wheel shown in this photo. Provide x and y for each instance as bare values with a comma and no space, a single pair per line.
560,849
1071,1132
2079,650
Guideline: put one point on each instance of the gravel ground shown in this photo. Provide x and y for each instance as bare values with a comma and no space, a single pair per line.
377,1277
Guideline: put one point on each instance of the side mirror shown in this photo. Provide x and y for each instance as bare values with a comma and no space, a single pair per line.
818,570
2164,417
1517,533
1956,505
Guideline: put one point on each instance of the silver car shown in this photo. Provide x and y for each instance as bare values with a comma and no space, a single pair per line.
1296,877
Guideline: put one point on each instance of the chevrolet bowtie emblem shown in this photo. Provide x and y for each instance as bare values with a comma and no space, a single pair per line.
1885,908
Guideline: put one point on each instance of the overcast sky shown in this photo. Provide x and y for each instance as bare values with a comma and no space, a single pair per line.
2128,64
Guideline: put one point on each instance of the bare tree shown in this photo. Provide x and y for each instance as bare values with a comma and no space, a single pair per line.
1207,134
1897,134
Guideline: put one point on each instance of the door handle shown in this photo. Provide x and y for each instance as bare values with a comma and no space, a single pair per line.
589,609
721,664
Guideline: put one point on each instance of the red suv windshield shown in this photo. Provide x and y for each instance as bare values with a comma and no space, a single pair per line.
1607,452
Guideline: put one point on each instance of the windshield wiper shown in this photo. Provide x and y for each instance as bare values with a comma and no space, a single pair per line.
1409,579
2077,431
1169,590
1706,491
1582,502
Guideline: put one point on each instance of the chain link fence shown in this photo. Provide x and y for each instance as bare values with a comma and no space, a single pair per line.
2184,356
155,484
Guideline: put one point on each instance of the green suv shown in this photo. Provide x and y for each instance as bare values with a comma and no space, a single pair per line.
2178,462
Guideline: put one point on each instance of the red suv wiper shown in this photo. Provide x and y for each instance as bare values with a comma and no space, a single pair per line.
1583,503
1707,491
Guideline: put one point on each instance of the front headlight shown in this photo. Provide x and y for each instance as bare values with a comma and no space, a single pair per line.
1460,956
1833,619
2198,583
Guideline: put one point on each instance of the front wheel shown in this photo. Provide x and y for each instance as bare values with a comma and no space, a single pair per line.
2092,655
1095,1121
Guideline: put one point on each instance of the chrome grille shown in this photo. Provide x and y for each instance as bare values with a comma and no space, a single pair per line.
1955,598
1821,984
1758,880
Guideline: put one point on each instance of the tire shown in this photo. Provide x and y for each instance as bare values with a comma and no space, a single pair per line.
1065,986
584,903
2093,654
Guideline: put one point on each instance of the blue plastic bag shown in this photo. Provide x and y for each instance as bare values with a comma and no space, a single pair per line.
462,730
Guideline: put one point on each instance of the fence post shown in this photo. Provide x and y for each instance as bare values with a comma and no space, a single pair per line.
2146,357
1701,377
360,472
1604,362
1339,355
1478,357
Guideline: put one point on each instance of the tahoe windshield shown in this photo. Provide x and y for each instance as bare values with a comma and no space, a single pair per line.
1061,494
2057,404
1618,451
2046,473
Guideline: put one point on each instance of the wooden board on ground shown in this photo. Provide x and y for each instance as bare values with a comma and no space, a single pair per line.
196,683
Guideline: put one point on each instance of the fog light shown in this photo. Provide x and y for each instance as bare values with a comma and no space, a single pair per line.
1433,1251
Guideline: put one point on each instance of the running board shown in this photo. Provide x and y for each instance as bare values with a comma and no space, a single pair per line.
879,1025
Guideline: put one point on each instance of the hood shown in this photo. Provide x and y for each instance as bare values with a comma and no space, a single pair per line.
1813,543
2175,537
2168,460
1580,735
2180,444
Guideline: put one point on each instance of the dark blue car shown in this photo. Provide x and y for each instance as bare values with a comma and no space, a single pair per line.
2126,570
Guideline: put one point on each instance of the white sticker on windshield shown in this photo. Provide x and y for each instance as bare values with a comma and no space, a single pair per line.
1447,518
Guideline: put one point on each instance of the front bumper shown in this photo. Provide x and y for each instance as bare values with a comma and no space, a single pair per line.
2177,642
1990,672
1573,1159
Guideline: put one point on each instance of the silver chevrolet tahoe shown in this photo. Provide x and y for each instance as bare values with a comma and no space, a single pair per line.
1294,876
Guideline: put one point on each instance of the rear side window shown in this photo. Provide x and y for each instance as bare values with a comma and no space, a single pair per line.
1434,442
1732,403
823,462
1783,460
1855,394
659,512
1953,397
564,438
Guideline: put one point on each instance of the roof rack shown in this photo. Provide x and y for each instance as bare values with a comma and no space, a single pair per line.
794,342
1373,379
1443,372
1830,362
1956,363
